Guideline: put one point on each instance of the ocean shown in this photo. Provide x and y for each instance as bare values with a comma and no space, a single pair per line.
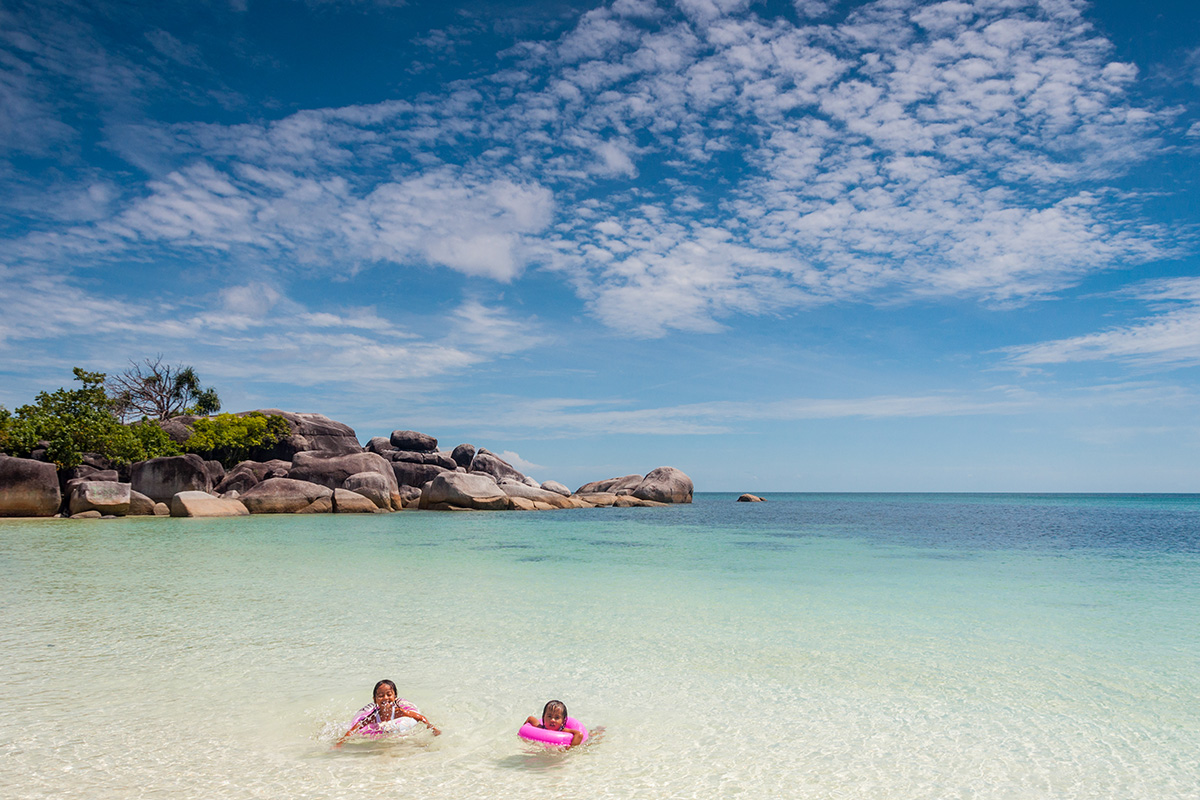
814,646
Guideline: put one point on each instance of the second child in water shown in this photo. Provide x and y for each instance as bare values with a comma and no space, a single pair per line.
554,718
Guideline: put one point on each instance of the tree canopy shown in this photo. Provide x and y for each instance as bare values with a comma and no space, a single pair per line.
89,420
78,421
161,391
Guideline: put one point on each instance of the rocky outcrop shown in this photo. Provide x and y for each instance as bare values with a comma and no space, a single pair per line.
556,487
282,496
410,496
376,488
413,457
203,504
216,471
332,471
488,463
629,501
664,485
306,433
597,499
345,501
542,496
463,454
379,444
408,474
68,474
28,488
107,497
617,486
160,479
750,498
309,433
464,490
246,474
411,440
140,505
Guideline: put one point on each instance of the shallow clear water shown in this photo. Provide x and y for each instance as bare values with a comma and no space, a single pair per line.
814,646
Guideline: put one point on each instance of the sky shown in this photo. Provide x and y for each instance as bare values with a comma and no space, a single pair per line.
782,246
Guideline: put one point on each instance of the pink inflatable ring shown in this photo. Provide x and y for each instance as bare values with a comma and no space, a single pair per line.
533,733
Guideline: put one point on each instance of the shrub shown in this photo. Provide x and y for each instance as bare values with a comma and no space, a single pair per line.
230,438
78,421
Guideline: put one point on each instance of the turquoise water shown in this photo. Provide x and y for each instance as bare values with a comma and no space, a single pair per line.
814,646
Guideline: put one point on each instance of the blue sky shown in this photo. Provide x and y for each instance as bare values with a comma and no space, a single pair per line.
781,245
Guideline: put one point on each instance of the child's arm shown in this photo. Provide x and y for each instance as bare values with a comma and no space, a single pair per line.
534,721
366,718
576,736
420,718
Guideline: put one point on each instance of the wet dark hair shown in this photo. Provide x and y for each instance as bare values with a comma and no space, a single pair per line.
554,704
384,682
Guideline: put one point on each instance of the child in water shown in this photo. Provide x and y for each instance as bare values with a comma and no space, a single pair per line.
554,718
386,708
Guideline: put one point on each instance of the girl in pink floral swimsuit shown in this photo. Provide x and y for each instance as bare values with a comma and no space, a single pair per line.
387,708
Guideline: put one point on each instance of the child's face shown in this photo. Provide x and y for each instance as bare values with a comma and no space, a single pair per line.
554,719
385,695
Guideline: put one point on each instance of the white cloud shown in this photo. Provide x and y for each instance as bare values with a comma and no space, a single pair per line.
908,151
521,464
276,339
1170,338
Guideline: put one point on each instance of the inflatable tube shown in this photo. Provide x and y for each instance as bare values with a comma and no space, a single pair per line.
391,727
533,733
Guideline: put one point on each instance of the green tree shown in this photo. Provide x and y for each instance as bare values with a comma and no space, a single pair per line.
230,438
78,421
5,417
161,391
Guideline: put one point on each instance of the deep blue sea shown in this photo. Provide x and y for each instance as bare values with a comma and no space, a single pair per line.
814,646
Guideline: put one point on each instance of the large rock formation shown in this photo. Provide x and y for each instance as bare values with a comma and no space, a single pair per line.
488,463
28,488
408,474
411,440
332,471
141,506
383,493
617,486
246,474
282,496
413,457
345,501
107,497
464,490
160,479
307,433
463,454
203,504
538,496
664,485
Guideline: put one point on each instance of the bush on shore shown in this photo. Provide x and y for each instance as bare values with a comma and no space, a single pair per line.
87,420
230,438
78,421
